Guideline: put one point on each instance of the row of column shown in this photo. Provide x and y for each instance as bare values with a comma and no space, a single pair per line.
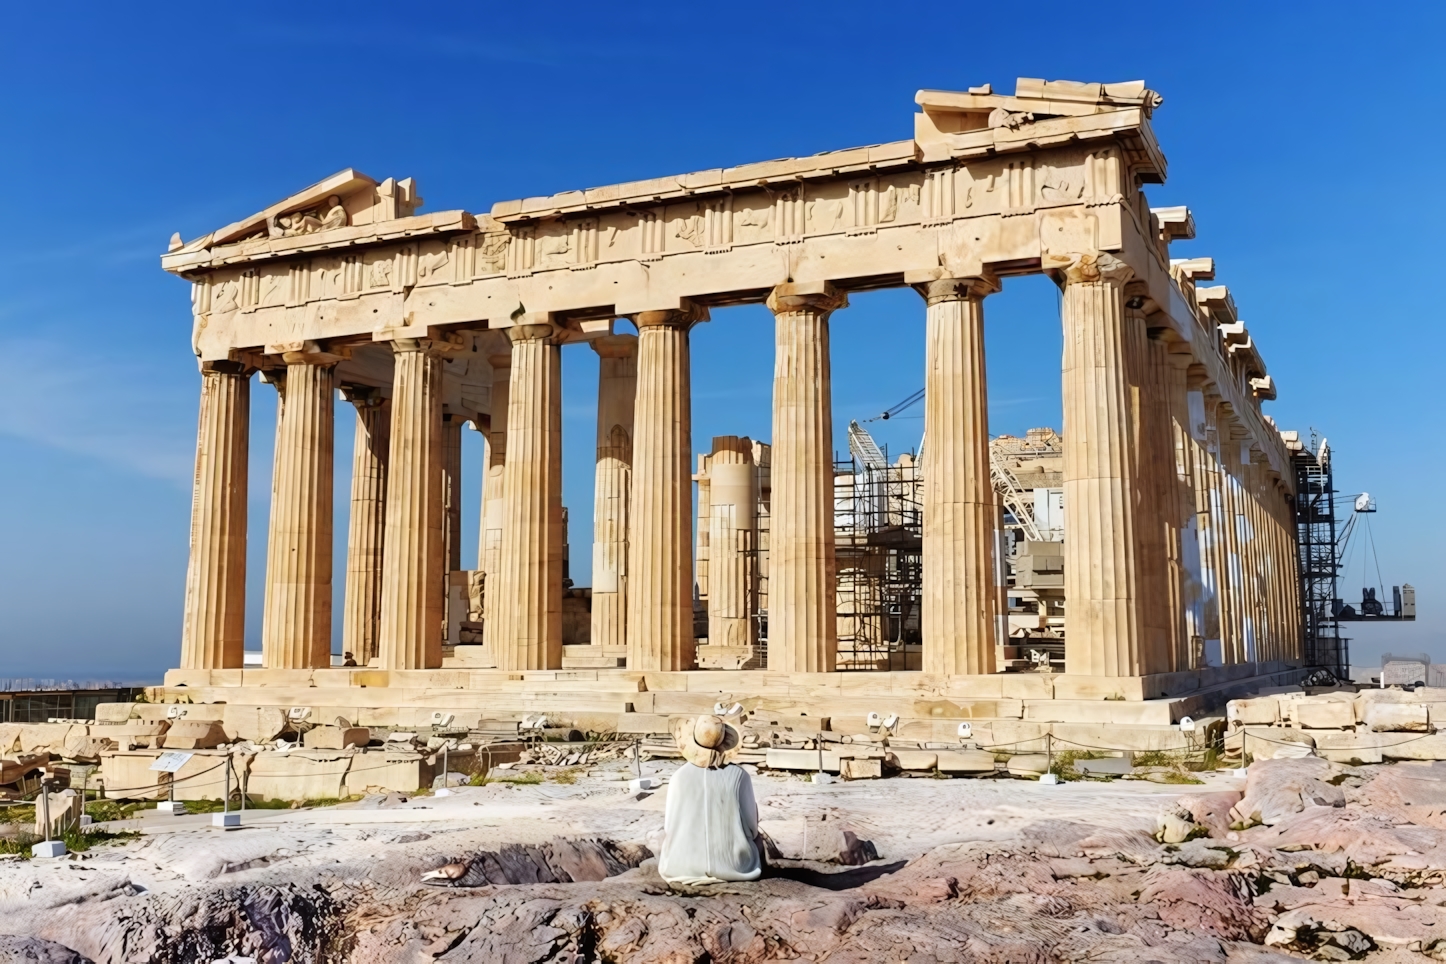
1158,565
399,532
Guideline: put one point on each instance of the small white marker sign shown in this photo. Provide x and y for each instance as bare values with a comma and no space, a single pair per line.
171,761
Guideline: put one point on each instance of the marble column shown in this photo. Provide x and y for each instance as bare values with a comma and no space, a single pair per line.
452,426
413,577
214,622
617,389
660,538
1161,475
1103,625
296,625
802,624
1185,507
525,614
960,506
361,619
731,521
494,502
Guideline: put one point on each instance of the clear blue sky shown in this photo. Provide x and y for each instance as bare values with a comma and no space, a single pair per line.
1307,139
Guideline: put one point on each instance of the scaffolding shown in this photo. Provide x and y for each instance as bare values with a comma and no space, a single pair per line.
878,536
1315,516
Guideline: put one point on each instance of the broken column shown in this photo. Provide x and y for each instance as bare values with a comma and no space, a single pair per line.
365,538
296,625
660,557
731,528
414,557
802,624
959,597
616,393
214,623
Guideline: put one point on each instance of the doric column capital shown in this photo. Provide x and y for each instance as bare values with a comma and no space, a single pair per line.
615,346
1088,267
309,353
534,331
362,396
225,367
438,345
684,316
957,289
815,295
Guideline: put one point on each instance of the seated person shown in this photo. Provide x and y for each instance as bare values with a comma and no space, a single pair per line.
711,820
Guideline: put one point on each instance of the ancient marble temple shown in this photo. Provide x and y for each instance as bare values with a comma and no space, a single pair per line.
1179,548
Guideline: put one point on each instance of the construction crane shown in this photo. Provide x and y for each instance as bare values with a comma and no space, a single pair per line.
1012,495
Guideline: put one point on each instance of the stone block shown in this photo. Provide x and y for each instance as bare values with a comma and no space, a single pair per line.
381,770
965,761
64,808
128,776
855,769
1108,766
1264,711
1333,715
9,738
913,759
1397,718
300,775
15,767
1346,747
113,712
194,735
136,733
255,724
47,737
806,761
336,737
1027,764
203,776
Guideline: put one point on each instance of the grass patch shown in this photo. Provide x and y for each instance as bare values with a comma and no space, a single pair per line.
567,776
529,778
1063,765
77,840
103,810
1174,777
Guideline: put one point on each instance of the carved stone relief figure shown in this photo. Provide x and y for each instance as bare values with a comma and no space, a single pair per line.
552,250
492,252
888,204
223,298
331,216
379,274
271,288
432,262
825,215
692,229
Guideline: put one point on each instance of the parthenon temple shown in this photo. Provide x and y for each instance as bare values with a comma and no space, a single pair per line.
1166,571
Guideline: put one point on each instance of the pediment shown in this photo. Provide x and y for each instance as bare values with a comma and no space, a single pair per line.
346,198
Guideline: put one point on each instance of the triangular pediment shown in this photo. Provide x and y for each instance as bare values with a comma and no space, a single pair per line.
361,200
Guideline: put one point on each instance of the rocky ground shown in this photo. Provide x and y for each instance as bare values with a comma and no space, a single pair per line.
1325,862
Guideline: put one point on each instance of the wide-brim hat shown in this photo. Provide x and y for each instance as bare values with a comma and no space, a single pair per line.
700,737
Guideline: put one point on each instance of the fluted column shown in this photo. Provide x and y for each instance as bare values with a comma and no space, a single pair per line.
452,489
1160,475
732,508
525,624
214,622
660,540
802,624
960,506
494,484
1185,507
413,577
361,619
296,626
617,388
1103,627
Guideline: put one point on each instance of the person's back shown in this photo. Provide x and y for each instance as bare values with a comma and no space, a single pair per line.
711,819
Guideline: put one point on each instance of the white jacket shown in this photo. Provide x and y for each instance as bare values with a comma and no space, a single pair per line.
711,827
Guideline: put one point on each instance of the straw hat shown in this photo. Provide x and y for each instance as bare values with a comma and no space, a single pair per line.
706,741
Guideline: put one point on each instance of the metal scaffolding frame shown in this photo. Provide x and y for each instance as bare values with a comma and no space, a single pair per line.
1315,517
878,535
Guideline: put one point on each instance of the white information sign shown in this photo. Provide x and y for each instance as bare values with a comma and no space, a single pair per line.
171,761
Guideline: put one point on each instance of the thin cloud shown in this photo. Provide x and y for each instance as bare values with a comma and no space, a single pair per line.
105,409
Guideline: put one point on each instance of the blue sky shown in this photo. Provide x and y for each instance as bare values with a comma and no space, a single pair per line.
1306,138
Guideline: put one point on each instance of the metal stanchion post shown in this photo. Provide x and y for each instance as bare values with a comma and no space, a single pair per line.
48,847
1049,777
